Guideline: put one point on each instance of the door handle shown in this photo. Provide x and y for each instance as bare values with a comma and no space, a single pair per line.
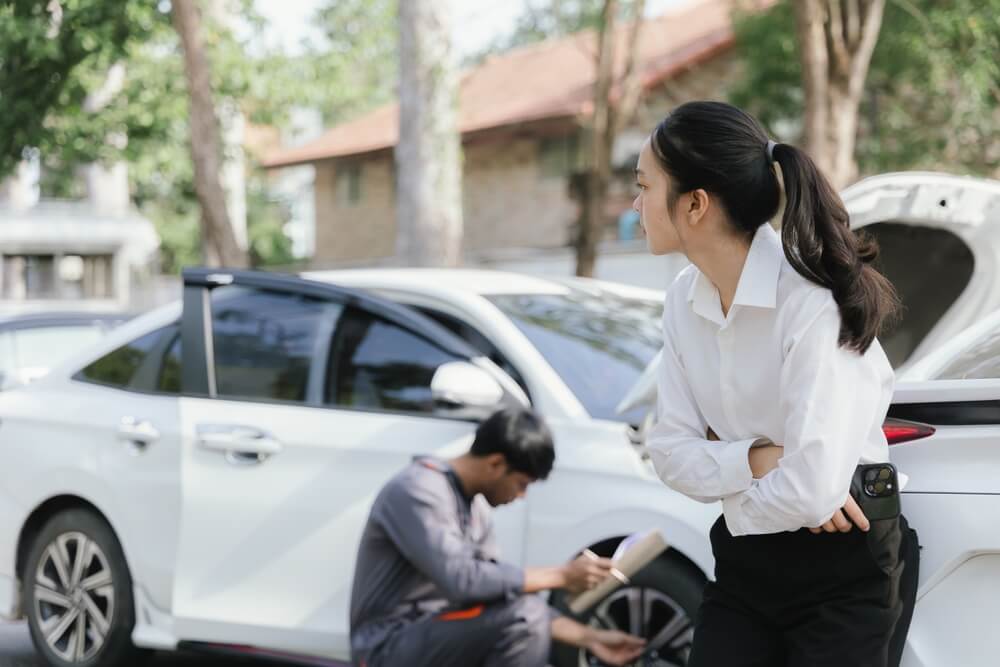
242,445
139,433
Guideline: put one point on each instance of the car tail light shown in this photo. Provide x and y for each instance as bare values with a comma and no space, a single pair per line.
898,431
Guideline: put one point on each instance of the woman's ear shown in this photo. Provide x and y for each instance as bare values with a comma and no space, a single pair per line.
697,206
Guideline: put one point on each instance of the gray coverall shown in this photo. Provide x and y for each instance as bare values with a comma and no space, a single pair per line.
428,588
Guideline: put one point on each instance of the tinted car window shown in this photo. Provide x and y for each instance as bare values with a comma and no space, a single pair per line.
265,343
478,341
118,368
169,379
376,364
597,342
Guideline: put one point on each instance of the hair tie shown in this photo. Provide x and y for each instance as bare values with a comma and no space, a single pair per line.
770,149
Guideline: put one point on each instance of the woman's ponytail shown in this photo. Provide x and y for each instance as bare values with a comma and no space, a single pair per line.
820,245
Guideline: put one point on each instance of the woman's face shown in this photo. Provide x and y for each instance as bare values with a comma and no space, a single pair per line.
662,235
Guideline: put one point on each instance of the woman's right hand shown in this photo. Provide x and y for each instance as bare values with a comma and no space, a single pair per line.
839,521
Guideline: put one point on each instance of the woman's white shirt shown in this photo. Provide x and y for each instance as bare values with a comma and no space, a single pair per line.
771,368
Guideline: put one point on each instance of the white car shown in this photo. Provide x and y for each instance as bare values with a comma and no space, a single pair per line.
214,499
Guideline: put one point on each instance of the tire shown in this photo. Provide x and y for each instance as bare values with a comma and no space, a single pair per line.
670,591
63,594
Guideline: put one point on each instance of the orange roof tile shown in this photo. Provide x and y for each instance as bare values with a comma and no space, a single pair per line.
550,79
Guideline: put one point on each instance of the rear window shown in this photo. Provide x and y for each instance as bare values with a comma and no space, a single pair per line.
118,368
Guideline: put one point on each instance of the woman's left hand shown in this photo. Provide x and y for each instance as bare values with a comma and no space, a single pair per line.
840,522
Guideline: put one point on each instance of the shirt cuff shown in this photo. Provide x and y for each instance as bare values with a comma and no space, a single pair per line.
732,511
734,466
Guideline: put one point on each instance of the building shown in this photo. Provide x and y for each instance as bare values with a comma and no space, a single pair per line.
523,118
97,253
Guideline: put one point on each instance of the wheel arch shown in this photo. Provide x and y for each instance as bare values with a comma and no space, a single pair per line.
37,519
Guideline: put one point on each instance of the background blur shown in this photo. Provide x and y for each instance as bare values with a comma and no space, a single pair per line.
139,137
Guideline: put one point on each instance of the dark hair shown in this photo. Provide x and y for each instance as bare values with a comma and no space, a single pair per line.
724,150
521,436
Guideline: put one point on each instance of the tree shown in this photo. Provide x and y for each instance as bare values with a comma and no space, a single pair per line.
836,41
428,154
931,97
350,70
220,246
610,114
41,46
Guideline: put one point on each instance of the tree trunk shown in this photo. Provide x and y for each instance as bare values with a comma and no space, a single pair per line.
836,41
607,121
598,173
428,154
218,241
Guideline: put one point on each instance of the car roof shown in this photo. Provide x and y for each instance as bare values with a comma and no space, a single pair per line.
59,318
481,282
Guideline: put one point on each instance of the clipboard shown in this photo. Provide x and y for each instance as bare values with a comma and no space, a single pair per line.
634,553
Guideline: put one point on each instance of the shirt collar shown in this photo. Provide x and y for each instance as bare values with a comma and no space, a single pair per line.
758,284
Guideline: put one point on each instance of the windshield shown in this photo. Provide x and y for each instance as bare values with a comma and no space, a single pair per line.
598,342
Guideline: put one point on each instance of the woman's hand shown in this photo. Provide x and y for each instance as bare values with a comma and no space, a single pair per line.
764,459
840,522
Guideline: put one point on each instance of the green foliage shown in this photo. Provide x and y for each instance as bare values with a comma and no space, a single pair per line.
39,55
932,97
45,80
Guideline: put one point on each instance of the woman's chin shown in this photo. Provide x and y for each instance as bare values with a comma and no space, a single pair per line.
658,248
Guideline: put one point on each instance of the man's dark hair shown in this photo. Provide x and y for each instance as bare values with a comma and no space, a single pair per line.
521,436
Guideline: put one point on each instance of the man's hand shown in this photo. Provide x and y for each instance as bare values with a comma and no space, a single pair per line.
585,572
615,648
609,646
840,519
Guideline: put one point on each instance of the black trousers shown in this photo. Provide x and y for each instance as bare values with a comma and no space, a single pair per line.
796,599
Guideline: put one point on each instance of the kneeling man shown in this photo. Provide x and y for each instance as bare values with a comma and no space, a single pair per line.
429,590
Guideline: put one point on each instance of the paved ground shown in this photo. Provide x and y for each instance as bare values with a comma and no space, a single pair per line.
16,651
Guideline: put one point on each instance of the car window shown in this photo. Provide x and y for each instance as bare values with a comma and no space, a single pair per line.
479,342
266,343
598,342
118,367
930,268
376,364
169,376
45,347
979,361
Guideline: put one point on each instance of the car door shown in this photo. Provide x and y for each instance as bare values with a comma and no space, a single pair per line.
300,402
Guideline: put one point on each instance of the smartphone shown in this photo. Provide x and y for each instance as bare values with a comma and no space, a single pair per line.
875,487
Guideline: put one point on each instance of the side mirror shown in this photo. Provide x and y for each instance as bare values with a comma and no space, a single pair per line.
462,387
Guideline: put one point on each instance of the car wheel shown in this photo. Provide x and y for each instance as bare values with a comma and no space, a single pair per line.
78,594
659,604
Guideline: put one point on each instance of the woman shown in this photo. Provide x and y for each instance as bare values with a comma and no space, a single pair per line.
773,388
